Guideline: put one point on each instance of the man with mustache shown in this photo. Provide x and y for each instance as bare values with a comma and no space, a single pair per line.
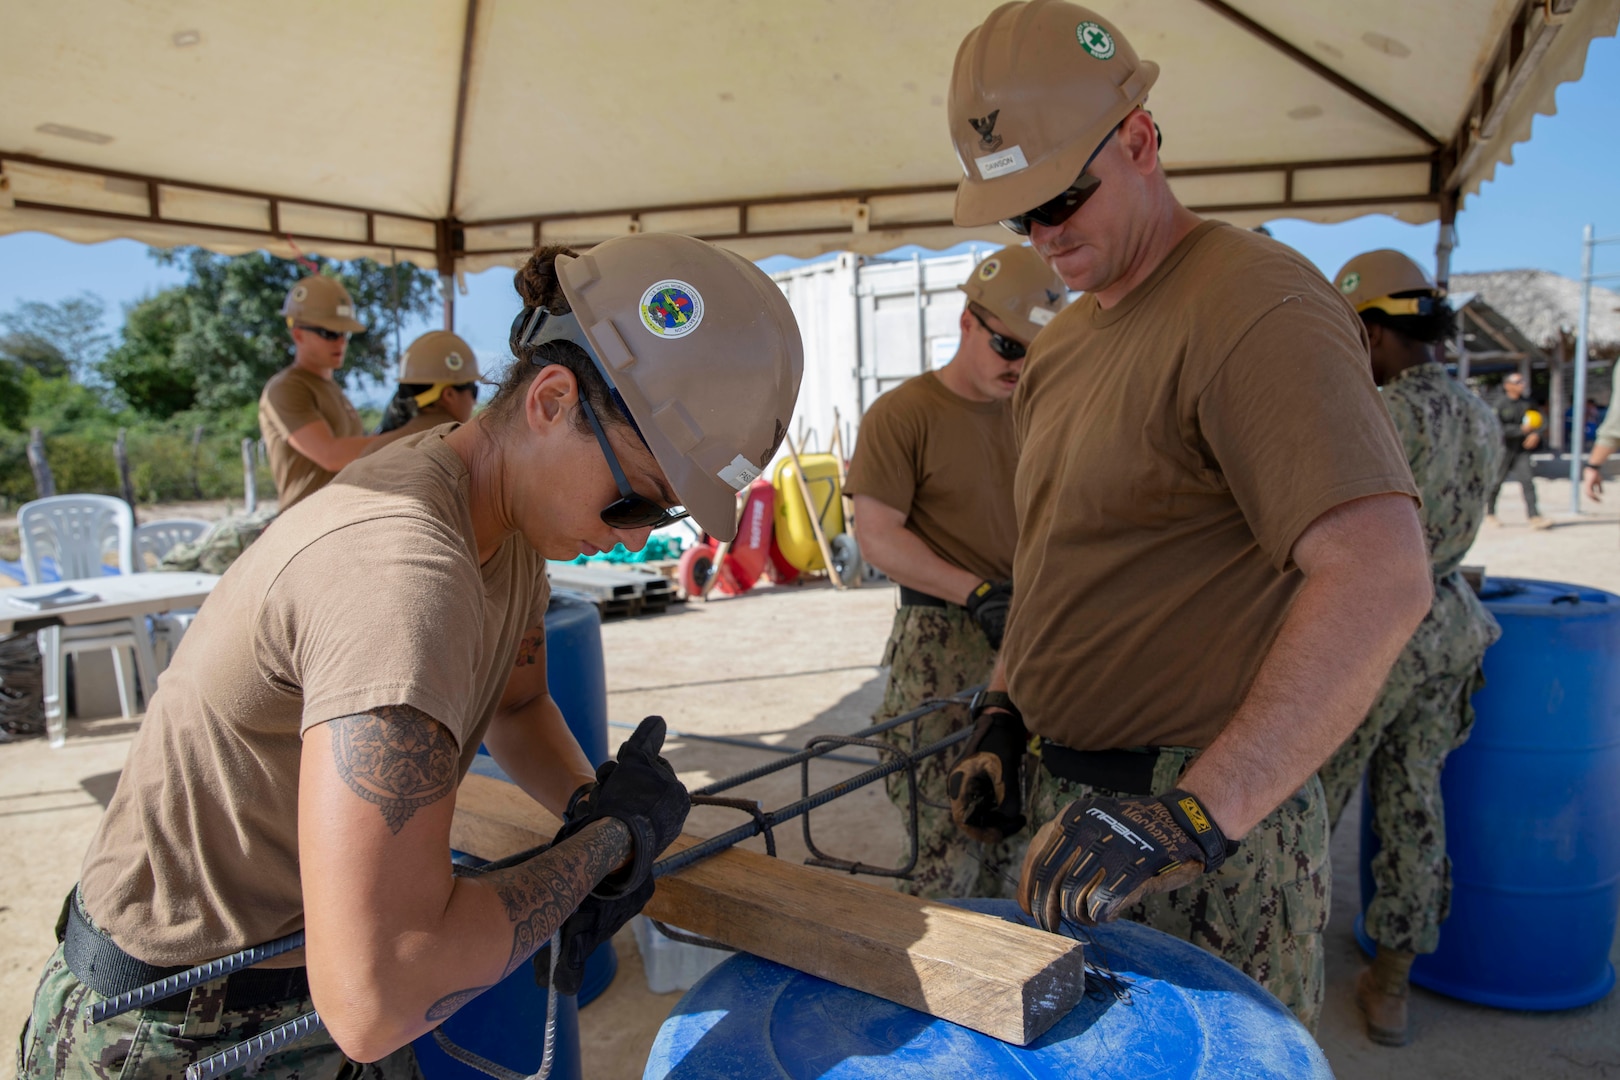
1219,555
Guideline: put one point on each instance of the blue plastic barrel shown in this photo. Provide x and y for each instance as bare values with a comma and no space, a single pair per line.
1532,818
1188,1015
575,673
505,1024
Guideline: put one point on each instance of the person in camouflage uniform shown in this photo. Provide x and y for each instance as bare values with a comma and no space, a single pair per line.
157,1043
1454,444
932,478
215,550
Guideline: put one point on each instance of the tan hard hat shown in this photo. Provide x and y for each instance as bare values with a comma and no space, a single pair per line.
1017,287
1370,280
1035,90
321,301
705,352
441,359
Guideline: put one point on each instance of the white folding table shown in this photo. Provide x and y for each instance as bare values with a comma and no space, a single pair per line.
122,596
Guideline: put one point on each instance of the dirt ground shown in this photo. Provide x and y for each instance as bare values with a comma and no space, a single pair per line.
779,665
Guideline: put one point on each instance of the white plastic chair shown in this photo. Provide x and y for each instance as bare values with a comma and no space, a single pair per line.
154,539
77,530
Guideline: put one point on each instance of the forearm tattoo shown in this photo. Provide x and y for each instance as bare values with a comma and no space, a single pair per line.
532,649
542,892
396,757
539,894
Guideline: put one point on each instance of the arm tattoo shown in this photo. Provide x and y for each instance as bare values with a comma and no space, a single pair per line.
396,757
542,892
448,1004
532,649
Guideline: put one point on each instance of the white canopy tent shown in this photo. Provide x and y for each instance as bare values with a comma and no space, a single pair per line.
456,133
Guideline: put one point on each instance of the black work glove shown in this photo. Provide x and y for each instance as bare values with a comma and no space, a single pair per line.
988,605
1099,856
985,782
641,790
595,921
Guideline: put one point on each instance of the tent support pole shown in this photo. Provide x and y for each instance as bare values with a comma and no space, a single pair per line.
1448,239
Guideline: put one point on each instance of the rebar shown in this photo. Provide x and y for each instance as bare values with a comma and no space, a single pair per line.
254,1049
142,996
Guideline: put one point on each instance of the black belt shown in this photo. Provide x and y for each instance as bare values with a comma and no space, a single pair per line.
108,970
1127,771
913,598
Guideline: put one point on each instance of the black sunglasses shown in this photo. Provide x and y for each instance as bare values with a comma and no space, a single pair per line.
1003,346
1062,206
324,334
535,326
629,511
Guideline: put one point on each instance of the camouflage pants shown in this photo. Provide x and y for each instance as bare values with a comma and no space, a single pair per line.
215,550
936,652
1263,911
155,1044
1423,713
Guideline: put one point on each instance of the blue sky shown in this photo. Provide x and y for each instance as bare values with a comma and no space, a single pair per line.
1530,216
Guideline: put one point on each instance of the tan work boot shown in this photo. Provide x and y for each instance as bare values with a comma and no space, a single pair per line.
1381,991
1540,523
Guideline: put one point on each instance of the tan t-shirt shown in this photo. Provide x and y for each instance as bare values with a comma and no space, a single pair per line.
947,464
367,594
426,420
1172,449
292,399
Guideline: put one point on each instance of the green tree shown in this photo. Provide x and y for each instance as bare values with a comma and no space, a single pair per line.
56,340
144,368
14,395
232,336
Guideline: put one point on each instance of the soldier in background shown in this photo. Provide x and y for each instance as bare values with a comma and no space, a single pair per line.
1454,445
438,384
310,428
932,478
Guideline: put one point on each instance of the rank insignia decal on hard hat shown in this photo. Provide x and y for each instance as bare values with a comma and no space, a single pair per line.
453,361
989,269
1350,282
671,309
986,127
1095,40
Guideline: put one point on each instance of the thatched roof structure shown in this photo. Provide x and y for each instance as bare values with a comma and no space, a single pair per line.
1543,304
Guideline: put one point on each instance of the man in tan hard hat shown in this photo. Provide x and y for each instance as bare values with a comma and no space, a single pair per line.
1454,445
932,478
438,384
310,429
1219,553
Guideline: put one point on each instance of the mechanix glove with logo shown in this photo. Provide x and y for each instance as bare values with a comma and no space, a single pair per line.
1099,856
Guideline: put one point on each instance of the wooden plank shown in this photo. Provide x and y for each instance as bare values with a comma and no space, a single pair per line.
1011,982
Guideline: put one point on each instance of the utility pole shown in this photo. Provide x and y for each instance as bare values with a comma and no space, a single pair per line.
1577,419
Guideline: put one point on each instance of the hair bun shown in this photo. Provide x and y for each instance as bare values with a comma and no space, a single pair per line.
537,283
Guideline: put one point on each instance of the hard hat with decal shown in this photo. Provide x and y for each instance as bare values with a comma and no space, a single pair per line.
1035,90
439,356
440,359
702,347
321,301
1017,287
1533,420
1388,281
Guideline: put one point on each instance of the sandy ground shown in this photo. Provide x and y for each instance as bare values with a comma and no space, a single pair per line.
779,665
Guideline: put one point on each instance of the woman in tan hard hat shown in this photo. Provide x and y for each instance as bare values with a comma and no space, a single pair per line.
297,769
1454,445
438,384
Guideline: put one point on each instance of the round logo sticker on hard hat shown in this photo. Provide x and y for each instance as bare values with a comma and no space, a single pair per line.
453,361
989,269
1095,40
300,293
1351,282
671,308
